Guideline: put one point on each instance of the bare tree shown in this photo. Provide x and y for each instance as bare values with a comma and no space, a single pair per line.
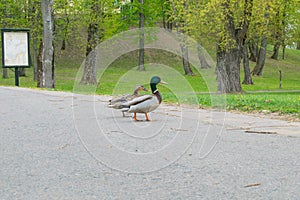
89,74
247,13
5,74
247,72
142,37
180,25
46,73
257,71
202,58
95,35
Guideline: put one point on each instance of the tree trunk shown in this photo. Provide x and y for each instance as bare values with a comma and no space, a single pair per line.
275,51
278,34
185,59
284,25
253,48
22,71
257,71
39,65
5,74
34,13
202,58
169,25
247,73
142,38
298,46
35,59
164,19
47,75
4,24
183,40
63,44
229,56
185,54
242,37
283,52
89,74
228,70
95,35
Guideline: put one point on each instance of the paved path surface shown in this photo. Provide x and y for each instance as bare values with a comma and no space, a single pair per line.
58,145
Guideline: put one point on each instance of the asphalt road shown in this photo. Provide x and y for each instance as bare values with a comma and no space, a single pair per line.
57,145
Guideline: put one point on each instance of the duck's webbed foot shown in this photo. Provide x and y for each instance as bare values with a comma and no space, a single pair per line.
134,117
147,117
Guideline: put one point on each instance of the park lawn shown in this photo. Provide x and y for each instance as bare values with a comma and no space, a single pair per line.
265,95
279,102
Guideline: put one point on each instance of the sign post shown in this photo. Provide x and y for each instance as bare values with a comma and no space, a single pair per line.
16,76
15,50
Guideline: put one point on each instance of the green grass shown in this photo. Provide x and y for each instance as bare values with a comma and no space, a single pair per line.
290,68
283,103
121,76
26,81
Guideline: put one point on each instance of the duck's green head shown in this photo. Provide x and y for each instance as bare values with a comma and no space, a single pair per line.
154,81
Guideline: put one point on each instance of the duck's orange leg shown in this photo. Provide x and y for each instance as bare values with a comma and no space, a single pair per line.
134,117
147,118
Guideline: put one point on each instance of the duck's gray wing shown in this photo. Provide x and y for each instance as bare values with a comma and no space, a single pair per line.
138,100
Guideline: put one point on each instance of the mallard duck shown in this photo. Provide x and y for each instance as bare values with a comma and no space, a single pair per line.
118,101
145,103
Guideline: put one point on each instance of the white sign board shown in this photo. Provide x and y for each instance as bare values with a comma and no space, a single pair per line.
15,52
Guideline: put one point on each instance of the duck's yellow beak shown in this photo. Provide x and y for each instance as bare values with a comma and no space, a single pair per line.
163,82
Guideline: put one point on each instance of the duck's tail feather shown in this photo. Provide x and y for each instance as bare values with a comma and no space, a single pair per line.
115,105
